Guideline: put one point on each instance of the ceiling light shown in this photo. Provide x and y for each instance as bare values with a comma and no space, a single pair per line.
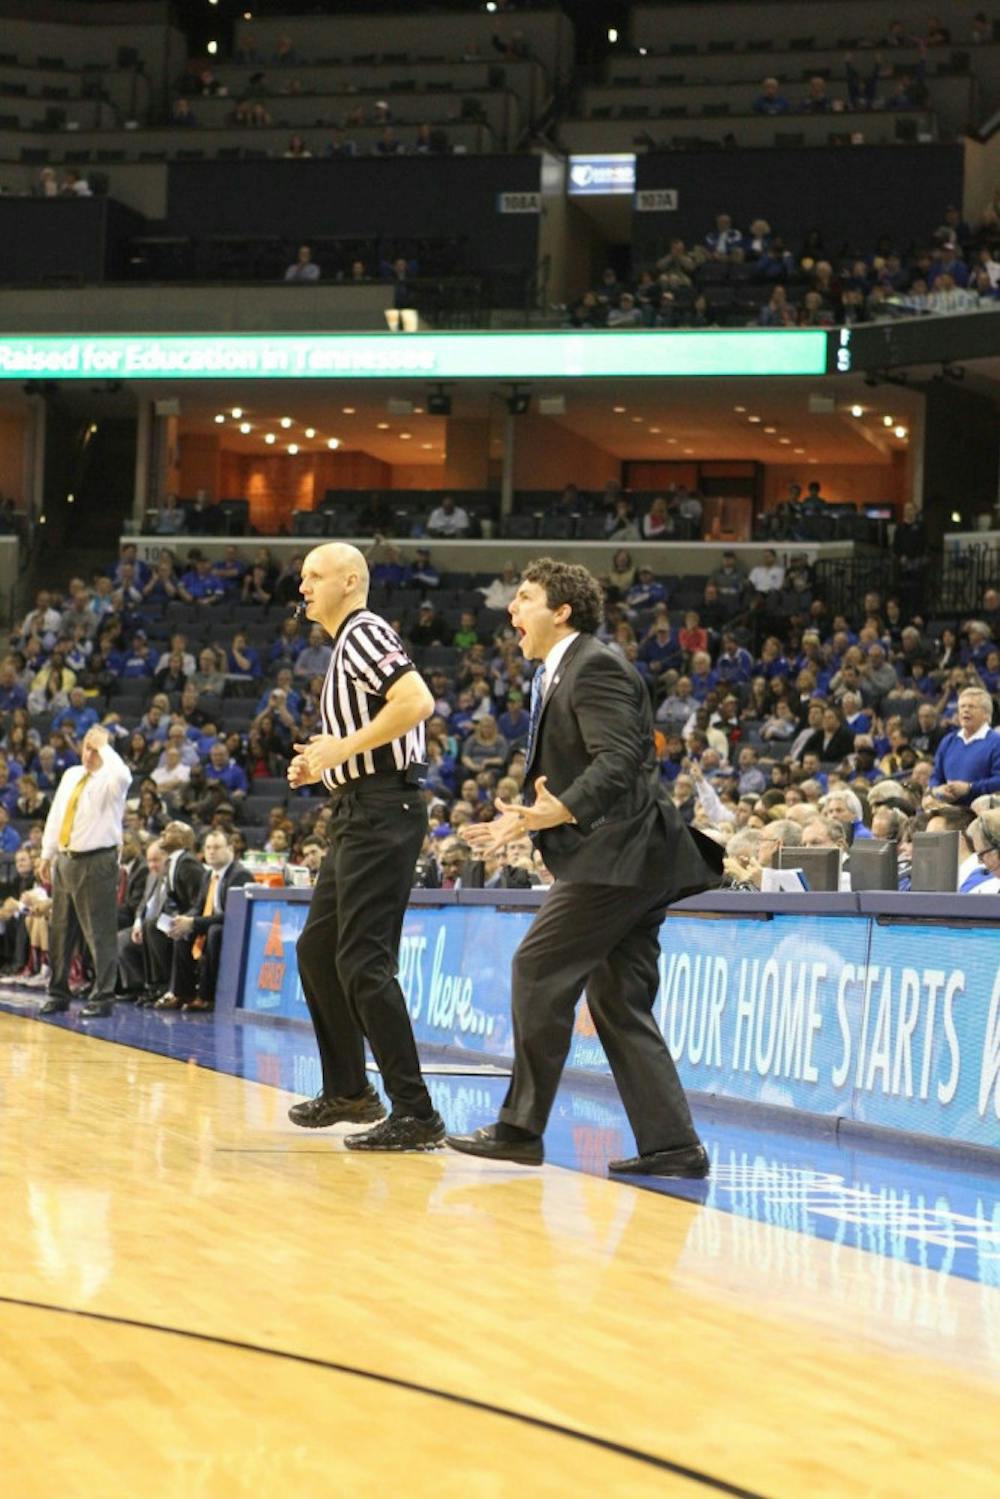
887,421
426,446
382,426
333,443
770,431
637,419
656,431
293,448
689,450
785,440
956,519
618,410
236,413
800,450
248,15
405,436
418,411
286,422
310,431
672,439
739,408
754,419
220,418
212,48
857,411
269,437
348,410
812,460
901,431
612,34
245,427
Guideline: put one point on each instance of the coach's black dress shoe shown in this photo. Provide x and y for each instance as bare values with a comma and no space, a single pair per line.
53,1005
689,1160
96,1009
320,1112
501,1142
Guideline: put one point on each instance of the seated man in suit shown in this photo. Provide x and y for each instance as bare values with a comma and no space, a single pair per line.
132,945
197,936
181,880
132,871
620,853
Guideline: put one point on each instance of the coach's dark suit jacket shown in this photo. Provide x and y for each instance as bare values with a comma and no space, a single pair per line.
595,746
183,884
236,874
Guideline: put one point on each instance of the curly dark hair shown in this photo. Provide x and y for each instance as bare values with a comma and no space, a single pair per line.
568,583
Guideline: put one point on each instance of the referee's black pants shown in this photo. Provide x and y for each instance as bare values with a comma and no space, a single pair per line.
349,947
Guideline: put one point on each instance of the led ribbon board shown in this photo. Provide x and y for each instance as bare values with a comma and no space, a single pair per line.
649,354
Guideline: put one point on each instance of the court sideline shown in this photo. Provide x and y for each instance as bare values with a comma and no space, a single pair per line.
433,1323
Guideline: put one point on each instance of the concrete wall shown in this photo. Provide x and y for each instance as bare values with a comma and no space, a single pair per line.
484,556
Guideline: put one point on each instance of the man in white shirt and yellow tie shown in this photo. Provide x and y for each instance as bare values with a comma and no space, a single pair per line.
83,834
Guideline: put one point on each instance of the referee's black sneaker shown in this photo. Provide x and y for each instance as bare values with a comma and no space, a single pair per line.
401,1132
320,1112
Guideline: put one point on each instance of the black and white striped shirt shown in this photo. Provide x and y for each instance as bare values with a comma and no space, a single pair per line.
368,656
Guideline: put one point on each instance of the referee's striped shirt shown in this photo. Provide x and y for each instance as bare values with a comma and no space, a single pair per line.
368,656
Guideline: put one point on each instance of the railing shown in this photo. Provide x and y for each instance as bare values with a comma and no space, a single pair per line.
951,586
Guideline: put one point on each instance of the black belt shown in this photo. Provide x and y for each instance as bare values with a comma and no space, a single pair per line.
87,853
374,778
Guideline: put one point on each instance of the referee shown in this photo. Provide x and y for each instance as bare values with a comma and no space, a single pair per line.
371,757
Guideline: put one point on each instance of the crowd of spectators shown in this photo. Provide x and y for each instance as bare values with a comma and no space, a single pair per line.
750,276
776,722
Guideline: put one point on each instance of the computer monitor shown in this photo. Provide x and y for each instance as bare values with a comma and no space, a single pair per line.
873,865
935,861
820,866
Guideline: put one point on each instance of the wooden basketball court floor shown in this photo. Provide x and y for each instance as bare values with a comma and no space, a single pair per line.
196,1299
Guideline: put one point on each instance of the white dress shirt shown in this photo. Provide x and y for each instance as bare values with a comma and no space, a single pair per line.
99,812
551,663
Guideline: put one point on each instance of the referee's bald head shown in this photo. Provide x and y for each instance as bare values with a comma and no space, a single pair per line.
334,579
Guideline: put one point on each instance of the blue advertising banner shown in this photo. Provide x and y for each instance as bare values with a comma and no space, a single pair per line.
890,1025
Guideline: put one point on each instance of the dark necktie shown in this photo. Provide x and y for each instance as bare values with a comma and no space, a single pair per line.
537,699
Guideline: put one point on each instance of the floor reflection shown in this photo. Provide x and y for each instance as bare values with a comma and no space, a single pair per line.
940,1216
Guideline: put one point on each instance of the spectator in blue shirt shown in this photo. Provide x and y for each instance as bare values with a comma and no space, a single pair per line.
702,677
229,570
79,716
288,644
9,837
200,586
724,241
392,571
242,659
222,769
967,762
12,694
139,662
645,592
770,100
314,660
423,573
661,650
290,699
8,789
129,561
735,664
513,724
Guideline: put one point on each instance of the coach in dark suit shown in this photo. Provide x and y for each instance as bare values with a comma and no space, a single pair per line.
197,935
182,876
620,855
